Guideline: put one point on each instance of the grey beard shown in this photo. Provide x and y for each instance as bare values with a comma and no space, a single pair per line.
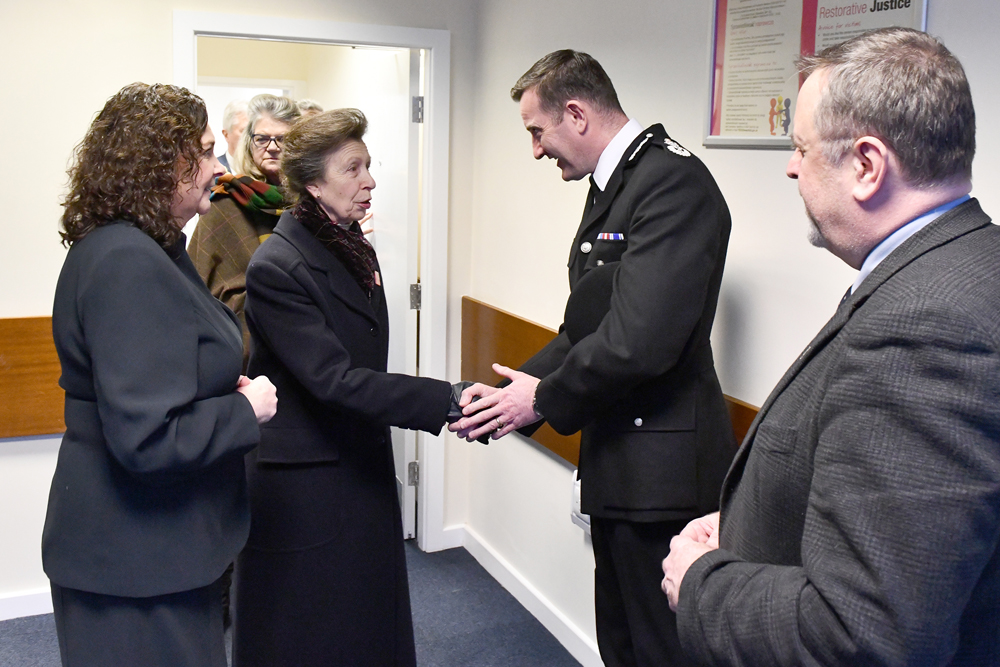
814,235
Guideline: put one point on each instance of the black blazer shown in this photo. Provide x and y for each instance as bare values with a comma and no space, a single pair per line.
325,346
861,517
149,495
656,438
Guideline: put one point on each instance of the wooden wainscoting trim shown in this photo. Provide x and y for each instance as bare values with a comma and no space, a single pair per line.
741,414
31,401
493,335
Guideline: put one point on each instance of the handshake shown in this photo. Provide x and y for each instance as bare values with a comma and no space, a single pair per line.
479,412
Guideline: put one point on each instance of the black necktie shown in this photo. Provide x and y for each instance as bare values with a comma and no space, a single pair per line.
591,198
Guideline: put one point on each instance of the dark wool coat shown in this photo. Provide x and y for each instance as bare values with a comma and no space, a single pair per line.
323,578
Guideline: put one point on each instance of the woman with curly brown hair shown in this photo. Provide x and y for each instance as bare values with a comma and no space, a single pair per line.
149,501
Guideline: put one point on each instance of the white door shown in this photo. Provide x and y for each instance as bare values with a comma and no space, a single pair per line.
393,142
380,82
406,454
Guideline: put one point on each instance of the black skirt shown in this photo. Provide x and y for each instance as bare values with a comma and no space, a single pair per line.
174,630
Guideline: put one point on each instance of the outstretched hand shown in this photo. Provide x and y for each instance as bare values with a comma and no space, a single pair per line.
497,411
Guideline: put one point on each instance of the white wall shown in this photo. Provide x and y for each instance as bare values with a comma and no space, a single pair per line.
26,467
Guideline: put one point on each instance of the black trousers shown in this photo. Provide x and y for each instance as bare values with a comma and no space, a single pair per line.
635,627
175,630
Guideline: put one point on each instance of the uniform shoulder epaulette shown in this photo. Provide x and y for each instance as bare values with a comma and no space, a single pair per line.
675,147
667,143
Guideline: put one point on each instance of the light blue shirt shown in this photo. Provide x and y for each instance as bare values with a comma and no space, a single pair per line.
614,151
896,239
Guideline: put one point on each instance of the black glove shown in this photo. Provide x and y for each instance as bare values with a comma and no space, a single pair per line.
455,410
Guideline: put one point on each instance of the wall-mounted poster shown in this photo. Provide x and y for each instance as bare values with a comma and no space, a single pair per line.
755,45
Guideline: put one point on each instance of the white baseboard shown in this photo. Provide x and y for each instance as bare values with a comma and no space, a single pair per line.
27,603
578,643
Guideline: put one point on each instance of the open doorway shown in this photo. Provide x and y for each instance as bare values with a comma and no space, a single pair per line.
378,70
376,80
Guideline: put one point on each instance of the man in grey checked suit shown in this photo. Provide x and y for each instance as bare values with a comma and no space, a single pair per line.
860,520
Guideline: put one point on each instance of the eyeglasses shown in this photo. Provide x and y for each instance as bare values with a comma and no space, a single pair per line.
263,140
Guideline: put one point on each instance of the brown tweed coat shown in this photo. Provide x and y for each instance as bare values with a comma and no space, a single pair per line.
220,248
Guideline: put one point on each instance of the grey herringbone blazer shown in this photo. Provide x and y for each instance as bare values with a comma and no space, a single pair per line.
861,516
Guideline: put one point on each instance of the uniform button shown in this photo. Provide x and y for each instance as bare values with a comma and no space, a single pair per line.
586,247
600,262
638,421
374,332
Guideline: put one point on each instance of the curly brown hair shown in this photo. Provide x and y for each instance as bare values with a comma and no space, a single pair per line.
145,141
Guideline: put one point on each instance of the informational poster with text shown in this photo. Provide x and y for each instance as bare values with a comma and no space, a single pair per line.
756,44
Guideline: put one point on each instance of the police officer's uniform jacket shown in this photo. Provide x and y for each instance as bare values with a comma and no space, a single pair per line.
648,260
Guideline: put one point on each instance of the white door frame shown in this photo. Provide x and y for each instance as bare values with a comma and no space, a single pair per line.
188,26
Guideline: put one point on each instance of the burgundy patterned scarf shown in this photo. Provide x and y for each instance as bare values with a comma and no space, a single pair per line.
348,245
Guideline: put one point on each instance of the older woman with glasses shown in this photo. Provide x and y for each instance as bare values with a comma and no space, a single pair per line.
148,503
245,206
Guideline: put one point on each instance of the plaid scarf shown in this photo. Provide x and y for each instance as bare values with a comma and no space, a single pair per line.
250,194
349,245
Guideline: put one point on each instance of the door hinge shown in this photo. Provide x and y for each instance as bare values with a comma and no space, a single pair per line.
415,296
413,474
418,109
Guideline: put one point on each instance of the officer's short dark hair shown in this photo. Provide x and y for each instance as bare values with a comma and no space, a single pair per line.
566,75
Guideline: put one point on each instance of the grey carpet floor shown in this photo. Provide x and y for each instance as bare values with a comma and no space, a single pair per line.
461,616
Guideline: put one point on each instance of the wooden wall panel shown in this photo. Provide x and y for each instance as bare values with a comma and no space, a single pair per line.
493,335
31,401
742,415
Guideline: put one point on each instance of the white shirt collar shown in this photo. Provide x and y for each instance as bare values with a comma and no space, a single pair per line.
896,239
614,151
